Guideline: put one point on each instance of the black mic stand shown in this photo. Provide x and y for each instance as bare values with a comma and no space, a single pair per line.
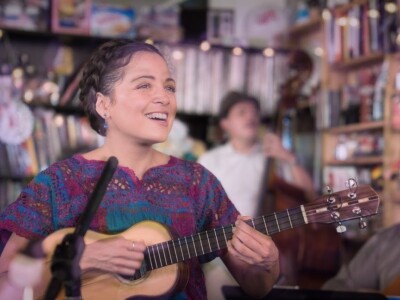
65,267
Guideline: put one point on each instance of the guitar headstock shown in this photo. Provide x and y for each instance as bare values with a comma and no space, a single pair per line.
356,202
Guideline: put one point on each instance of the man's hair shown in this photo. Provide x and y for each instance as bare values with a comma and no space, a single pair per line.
231,99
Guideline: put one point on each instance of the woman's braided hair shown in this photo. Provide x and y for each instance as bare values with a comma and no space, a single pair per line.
103,69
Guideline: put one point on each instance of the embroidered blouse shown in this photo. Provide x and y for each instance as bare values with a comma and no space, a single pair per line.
180,194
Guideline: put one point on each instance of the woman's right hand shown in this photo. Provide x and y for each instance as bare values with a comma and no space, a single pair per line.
115,255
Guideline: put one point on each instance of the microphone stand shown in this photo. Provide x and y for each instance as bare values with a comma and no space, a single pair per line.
65,267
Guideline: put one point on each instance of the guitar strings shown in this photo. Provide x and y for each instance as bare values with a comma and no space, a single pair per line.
259,221
221,235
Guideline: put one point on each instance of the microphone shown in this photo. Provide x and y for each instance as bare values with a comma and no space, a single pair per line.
65,261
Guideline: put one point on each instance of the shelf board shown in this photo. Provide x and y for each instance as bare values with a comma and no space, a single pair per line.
375,125
348,6
64,109
51,35
369,160
361,61
16,178
305,27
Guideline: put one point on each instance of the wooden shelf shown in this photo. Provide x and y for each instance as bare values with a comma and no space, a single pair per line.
65,109
359,161
361,61
16,178
357,127
46,36
347,6
305,27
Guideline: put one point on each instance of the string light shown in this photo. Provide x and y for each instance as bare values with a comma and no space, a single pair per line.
205,46
59,121
177,54
28,95
326,15
269,52
398,39
354,22
373,14
237,51
391,7
342,21
318,51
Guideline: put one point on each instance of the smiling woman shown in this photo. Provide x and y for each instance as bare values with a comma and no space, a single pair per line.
128,93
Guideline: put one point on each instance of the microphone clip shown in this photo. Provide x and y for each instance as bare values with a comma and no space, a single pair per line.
65,266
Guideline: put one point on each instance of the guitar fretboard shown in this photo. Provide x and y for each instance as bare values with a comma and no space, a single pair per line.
174,251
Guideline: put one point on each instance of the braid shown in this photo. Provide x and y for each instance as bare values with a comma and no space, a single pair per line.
102,70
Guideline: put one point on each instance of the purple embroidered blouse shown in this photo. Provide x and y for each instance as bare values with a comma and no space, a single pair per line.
181,194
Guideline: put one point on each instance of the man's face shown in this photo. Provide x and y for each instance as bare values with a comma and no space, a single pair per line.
242,121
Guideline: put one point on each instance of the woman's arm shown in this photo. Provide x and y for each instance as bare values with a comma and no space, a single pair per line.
23,273
112,255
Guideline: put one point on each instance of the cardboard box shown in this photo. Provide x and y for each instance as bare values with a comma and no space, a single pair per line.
71,16
29,16
112,20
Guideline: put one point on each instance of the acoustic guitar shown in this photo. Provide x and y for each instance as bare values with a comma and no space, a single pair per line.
163,271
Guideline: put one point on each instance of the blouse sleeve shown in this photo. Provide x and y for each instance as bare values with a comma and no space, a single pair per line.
30,215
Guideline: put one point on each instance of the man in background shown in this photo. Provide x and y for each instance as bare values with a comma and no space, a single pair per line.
240,165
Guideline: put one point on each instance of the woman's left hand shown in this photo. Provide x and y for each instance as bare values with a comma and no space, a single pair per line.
253,247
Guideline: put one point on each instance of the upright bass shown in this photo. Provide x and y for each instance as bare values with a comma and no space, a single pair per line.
303,262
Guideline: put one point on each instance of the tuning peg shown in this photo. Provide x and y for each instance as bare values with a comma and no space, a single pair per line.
330,199
362,223
351,183
340,228
352,186
328,189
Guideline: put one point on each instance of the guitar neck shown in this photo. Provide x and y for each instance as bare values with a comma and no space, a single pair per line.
174,251
356,203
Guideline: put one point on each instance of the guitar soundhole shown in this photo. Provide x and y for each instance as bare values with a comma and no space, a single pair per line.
139,274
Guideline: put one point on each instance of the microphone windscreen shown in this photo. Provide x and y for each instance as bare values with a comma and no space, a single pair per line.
25,271
26,267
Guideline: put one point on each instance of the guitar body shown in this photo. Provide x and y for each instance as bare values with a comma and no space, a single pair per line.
99,285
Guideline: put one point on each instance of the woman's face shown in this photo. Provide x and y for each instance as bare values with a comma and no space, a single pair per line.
143,104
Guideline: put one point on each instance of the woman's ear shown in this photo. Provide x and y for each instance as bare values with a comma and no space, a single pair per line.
102,103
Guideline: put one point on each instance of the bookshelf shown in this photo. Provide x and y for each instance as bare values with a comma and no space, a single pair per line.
344,67
358,84
354,103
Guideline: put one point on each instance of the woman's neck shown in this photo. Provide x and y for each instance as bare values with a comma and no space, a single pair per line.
138,158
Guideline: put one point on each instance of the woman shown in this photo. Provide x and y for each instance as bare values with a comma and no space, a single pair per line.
128,93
